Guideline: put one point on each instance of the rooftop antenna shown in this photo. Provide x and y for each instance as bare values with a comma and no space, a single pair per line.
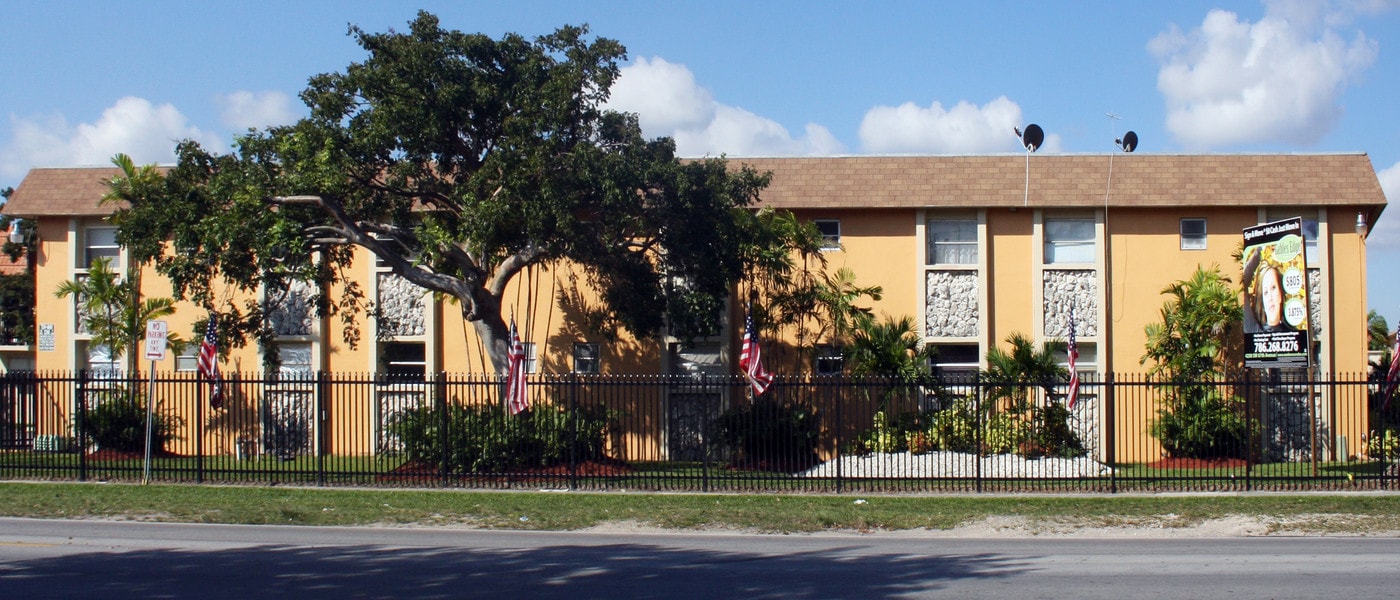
1032,138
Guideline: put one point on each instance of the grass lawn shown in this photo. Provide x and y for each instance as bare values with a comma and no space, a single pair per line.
1309,513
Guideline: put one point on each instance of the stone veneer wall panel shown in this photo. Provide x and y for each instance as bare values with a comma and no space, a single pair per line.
951,304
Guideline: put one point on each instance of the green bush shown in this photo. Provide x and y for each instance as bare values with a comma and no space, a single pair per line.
118,423
484,439
1050,434
956,429
1199,423
768,434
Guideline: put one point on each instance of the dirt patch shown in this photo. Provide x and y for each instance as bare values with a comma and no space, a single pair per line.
1198,463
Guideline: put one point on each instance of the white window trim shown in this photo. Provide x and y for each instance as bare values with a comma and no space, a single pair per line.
830,243
1193,241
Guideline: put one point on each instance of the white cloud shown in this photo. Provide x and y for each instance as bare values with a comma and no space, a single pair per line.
1278,80
963,129
669,102
134,126
1385,233
244,110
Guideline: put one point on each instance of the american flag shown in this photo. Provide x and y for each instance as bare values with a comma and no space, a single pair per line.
751,359
1073,350
208,364
516,399
1392,377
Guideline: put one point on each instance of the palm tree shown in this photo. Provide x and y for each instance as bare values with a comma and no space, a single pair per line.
1377,332
889,348
111,309
1200,321
1012,374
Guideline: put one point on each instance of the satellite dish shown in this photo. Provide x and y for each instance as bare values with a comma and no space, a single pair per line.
1033,137
1129,142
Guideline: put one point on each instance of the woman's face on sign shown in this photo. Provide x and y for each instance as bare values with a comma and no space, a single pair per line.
1271,297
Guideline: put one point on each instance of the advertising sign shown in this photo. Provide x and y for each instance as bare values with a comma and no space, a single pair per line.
1275,282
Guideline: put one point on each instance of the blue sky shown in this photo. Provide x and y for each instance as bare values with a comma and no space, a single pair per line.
81,81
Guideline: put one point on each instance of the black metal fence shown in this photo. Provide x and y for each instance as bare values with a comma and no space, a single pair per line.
706,433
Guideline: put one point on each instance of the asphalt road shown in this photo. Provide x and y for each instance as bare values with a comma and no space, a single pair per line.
103,559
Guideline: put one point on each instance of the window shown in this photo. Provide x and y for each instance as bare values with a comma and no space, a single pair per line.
585,358
1069,241
532,361
404,360
1193,234
100,363
956,363
187,361
831,233
101,242
952,242
828,360
296,361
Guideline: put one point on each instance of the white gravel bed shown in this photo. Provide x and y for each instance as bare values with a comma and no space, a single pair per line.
957,464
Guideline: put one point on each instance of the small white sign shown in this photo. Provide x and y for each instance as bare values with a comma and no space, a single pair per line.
156,332
46,337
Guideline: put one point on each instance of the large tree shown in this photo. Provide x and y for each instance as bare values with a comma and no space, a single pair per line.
459,161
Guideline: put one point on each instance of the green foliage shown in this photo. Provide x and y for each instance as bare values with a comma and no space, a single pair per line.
1199,336
1383,445
1199,422
16,309
1377,332
1013,374
485,439
1051,435
460,161
769,434
112,308
118,422
891,349
964,426
1195,344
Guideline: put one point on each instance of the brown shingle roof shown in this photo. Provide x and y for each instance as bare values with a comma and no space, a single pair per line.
1054,180
1068,180
62,192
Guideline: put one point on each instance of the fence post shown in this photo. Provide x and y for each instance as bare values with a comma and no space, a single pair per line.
198,432
840,430
705,444
321,427
1110,413
1253,421
82,424
573,431
440,402
977,435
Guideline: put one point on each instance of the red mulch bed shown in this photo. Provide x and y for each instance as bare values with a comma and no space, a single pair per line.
105,454
1197,463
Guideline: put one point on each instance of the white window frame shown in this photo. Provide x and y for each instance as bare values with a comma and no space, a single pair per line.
1074,247
532,360
1193,239
187,361
957,245
588,359
387,366
830,241
93,250
825,356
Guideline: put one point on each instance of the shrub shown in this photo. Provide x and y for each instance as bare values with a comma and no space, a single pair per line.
484,439
966,427
1198,422
1051,435
118,423
768,434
